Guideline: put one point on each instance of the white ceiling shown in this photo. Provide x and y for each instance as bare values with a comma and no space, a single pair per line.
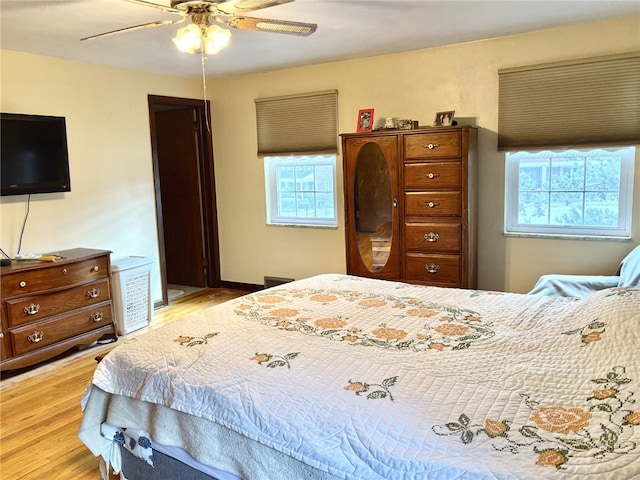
346,29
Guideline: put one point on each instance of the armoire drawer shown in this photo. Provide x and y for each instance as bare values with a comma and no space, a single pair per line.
434,269
28,309
60,275
432,145
433,203
40,334
433,237
435,175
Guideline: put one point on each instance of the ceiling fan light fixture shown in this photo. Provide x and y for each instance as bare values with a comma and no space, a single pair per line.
215,38
188,39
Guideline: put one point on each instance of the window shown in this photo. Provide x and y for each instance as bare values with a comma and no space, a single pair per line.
301,190
572,192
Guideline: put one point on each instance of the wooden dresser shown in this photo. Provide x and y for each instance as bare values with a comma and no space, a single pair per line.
50,307
418,186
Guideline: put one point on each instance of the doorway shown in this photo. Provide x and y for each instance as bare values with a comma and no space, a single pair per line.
186,210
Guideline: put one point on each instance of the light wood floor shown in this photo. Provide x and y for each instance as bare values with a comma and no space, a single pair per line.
40,407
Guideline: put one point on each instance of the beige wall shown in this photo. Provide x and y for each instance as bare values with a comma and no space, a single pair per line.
111,204
410,85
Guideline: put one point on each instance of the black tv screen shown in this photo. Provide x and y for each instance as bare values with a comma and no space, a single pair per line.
33,154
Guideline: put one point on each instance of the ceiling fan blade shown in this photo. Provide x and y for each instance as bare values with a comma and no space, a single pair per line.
269,25
135,27
240,6
164,8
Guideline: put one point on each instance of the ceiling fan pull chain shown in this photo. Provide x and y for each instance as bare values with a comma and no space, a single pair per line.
203,59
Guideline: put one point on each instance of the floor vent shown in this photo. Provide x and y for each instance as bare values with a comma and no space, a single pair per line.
275,281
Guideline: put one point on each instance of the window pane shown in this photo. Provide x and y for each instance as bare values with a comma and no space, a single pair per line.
566,208
567,174
603,173
534,174
601,209
286,204
533,208
286,179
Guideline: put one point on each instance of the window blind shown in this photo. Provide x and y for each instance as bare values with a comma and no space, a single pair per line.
586,102
298,124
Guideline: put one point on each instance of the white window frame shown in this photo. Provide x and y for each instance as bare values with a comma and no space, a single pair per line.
271,163
621,231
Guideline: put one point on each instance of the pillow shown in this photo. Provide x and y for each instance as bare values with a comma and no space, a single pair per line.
630,269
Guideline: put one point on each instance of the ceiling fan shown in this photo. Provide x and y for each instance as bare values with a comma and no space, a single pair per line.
202,36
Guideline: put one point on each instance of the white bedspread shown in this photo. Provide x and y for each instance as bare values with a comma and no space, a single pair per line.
379,380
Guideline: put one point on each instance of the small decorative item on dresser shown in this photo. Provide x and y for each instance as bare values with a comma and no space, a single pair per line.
444,119
365,120
405,124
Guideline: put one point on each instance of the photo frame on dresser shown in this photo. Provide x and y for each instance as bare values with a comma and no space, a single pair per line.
444,119
365,120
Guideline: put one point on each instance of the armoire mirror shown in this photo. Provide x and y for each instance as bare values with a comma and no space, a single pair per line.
374,207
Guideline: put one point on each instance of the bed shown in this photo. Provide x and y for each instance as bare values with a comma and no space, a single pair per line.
341,377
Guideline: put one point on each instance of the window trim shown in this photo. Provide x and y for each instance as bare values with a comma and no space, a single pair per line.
271,162
620,232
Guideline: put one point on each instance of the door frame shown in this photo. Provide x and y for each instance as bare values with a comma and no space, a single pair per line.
206,188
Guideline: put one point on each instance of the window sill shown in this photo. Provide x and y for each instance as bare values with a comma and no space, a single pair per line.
557,236
298,225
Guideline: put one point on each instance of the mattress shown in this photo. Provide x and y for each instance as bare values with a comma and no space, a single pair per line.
346,377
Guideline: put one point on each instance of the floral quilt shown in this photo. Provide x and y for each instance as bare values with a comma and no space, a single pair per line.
372,379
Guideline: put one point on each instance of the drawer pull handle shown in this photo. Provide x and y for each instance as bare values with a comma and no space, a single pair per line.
432,204
36,336
1,334
432,267
64,271
432,175
96,268
97,317
431,146
93,293
32,309
23,284
431,237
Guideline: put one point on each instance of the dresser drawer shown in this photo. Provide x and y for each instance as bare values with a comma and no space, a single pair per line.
40,334
433,203
434,269
433,237
426,176
36,307
432,145
58,274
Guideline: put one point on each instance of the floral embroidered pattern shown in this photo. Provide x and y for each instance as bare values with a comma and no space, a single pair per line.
557,434
434,326
380,390
186,341
591,332
268,359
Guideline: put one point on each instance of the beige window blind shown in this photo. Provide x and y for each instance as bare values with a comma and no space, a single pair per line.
298,124
586,102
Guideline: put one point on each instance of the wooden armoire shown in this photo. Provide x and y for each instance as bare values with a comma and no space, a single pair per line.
411,205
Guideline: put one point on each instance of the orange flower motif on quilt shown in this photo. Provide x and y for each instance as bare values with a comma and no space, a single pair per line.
284,312
452,329
330,323
372,302
421,312
551,458
389,333
323,298
271,299
560,419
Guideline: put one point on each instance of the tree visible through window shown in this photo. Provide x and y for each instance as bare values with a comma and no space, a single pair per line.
574,192
301,190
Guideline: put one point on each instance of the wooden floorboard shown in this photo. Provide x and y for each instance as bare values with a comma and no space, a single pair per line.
40,406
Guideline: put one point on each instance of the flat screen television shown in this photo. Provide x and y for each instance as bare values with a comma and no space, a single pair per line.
33,154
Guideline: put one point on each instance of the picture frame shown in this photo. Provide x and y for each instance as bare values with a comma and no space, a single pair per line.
444,119
365,120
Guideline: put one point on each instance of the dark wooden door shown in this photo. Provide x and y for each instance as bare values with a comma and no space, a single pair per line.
182,212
